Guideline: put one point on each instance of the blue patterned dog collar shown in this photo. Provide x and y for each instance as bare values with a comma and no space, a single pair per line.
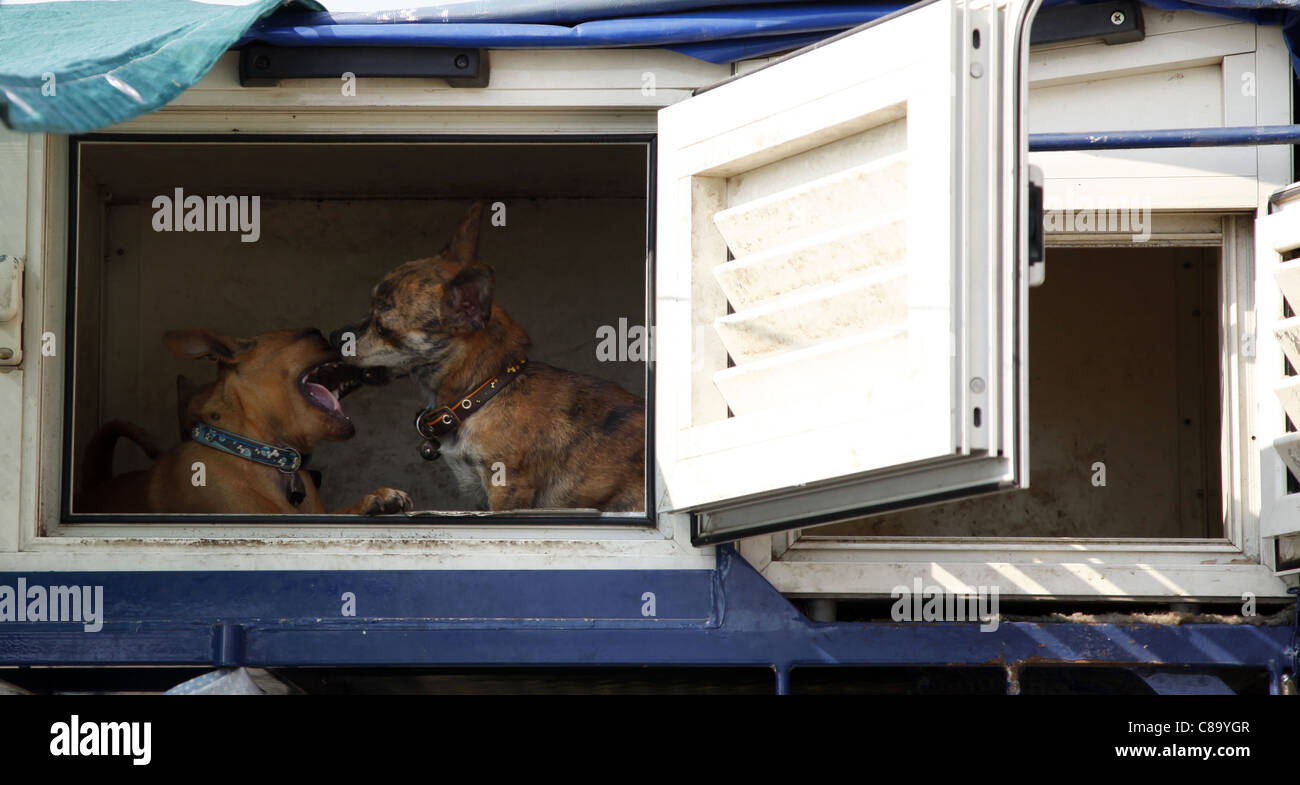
285,459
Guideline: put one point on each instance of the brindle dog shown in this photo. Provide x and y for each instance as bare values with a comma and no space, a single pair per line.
566,440
280,388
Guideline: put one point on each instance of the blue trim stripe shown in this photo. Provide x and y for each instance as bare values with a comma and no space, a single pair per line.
1170,137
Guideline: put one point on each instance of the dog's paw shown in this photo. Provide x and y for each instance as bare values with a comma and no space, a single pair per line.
386,501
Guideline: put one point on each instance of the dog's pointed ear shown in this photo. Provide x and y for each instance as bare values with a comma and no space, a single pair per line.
464,241
467,298
194,344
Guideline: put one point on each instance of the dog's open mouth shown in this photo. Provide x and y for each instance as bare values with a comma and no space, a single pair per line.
326,384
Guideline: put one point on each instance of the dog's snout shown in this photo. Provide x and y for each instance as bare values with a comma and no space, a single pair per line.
344,341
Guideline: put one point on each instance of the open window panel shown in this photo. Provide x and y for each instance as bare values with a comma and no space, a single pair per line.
1277,242
841,269
565,231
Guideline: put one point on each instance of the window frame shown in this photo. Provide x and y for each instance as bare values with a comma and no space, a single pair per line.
800,564
803,563
542,93
42,541
67,517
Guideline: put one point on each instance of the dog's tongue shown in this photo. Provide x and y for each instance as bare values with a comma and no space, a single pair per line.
321,394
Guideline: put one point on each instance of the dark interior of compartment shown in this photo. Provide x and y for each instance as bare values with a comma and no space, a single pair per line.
334,218
1123,371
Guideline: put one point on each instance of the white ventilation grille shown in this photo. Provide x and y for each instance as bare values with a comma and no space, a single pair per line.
817,285
1279,238
835,296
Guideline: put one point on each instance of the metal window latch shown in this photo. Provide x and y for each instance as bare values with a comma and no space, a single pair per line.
11,309
262,65
1037,253
1119,22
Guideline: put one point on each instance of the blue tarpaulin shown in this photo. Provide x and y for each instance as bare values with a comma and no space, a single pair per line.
69,67
724,25
720,31
553,12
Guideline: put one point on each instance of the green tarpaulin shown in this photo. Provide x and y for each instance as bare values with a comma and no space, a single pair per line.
70,67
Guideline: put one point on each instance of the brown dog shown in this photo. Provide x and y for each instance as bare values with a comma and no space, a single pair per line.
281,389
557,439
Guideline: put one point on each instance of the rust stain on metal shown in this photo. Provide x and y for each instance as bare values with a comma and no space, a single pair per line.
1016,665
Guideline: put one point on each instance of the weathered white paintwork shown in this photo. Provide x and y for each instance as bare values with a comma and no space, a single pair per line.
810,208
818,259
1288,278
803,318
854,362
1288,394
1287,333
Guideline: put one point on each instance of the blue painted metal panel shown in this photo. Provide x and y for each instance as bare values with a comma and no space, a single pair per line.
1012,645
727,617
519,598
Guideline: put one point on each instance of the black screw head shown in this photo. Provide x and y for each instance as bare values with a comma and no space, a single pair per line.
261,62
462,61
